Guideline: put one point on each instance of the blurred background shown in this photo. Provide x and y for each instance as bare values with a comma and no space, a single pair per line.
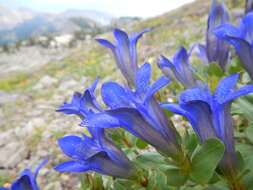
48,51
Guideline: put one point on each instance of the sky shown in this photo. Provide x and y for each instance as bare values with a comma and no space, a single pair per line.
142,8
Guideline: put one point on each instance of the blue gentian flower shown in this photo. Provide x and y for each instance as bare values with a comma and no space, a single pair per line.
125,53
179,69
241,38
97,153
82,104
27,179
137,111
215,50
209,114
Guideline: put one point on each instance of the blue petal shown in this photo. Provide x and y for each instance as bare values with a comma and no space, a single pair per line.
195,94
73,166
106,43
114,95
39,167
164,62
133,42
157,85
103,164
89,103
225,86
225,31
215,48
94,85
131,120
77,148
23,183
180,60
167,67
198,114
124,55
202,54
142,78
136,37
237,93
183,71
245,53
2,188
247,26
74,107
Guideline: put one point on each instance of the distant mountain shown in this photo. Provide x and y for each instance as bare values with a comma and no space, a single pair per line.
99,17
23,23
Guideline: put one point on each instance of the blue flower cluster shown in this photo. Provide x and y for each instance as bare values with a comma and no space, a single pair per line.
135,108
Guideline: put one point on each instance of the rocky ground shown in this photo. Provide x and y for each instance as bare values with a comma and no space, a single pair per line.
29,94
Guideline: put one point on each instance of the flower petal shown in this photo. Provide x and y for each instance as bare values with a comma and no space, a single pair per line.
157,85
106,43
114,95
77,148
225,30
39,167
202,54
225,86
142,78
240,92
195,94
23,183
73,166
131,120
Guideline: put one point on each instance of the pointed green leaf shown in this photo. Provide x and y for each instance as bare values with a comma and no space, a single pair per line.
205,160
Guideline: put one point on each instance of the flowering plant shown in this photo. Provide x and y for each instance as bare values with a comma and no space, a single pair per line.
210,153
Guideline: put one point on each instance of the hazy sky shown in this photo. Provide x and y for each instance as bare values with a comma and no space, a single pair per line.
143,8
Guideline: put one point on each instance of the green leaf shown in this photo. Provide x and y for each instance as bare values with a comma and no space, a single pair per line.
244,106
247,154
249,132
176,177
190,142
151,160
205,160
240,164
161,180
141,144
214,70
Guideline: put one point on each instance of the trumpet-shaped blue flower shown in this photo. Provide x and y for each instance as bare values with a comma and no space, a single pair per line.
27,179
137,111
125,53
179,69
241,38
82,104
215,50
97,153
209,114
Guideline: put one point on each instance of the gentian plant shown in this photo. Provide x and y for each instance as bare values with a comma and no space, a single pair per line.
130,140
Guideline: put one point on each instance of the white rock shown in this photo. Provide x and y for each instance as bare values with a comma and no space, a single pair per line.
45,81
68,85
12,154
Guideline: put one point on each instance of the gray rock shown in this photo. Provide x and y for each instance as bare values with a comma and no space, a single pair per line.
6,97
45,81
12,154
68,85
